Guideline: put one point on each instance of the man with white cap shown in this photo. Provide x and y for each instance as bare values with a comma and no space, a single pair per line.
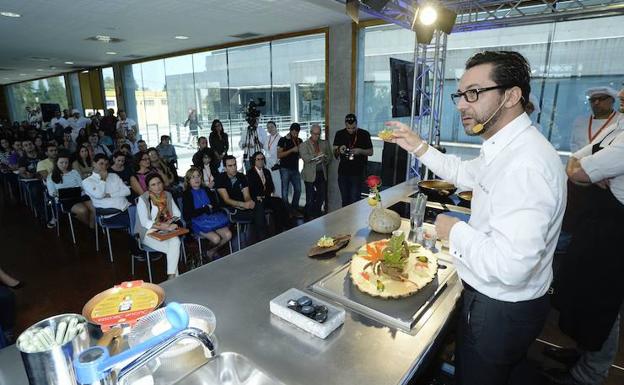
77,123
586,128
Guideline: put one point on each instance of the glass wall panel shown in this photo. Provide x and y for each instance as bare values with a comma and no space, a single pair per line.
110,94
32,93
288,75
298,68
133,92
180,92
566,58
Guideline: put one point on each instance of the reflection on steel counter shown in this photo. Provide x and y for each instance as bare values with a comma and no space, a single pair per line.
432,211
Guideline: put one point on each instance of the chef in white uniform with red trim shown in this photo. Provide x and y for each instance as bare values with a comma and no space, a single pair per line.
586,128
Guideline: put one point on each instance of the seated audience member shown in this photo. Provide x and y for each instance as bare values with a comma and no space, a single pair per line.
156,210
108,122
104,139
5,152
39,146
45,166
206,166
120,141
82,137
109,195
27,165
261,189
167,150
119,167
126,149
28,170
95,147
68,143
202,143
233,189
141,146
83,163
133,142
61,177
106,190
161,166
202,213
143,168
15,155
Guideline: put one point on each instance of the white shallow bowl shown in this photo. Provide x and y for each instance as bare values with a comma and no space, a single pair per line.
156,323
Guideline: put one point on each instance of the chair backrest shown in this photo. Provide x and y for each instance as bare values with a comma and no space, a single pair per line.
132,216
179,201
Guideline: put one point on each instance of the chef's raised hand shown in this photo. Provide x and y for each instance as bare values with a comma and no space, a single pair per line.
404,136
444,224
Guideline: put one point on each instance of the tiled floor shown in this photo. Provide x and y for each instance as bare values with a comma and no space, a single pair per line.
61,277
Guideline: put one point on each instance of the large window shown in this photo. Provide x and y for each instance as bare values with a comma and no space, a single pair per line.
32,93
110,94
288,75
563,68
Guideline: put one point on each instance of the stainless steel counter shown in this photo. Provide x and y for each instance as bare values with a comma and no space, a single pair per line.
238,289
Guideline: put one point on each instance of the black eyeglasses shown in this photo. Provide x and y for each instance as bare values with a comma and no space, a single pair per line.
259,158
350,121
598,98
472,95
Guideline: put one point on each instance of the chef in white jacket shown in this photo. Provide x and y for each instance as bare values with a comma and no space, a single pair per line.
586,128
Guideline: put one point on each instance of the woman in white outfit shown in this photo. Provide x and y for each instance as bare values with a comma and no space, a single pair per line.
270,153
156,210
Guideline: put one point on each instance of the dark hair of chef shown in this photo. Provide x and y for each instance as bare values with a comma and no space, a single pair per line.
510,69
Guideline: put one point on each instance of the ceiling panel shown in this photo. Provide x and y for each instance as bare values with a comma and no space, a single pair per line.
50,33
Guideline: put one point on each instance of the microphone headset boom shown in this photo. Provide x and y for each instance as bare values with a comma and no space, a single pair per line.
478,128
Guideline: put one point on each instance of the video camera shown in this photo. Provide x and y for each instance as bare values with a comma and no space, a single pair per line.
251,111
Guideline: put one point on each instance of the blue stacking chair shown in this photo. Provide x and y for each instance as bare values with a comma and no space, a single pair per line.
58,209
100,220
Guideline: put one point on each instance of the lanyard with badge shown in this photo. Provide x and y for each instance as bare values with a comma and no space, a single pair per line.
589,127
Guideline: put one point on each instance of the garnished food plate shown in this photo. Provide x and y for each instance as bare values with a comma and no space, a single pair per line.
327,247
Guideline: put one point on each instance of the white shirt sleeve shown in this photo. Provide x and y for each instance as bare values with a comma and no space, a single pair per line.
583,152
117,187
142,215
94,186
606,163
452,168
522,208
175,210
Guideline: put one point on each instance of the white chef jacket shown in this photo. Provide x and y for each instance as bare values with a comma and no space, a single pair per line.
518,182
579,136
62,121
608,163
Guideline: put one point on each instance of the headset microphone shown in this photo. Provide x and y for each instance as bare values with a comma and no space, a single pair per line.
478,128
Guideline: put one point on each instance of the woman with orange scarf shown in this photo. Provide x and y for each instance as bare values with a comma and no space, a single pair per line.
156,210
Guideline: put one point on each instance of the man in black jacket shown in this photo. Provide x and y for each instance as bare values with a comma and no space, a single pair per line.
261,189
233,189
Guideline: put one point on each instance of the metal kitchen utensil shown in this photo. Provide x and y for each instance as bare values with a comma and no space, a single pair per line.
54,366
186,352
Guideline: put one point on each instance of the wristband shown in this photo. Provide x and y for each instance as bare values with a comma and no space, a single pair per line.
414,151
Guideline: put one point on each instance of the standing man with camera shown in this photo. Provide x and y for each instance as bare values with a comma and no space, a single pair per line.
288,154
353,145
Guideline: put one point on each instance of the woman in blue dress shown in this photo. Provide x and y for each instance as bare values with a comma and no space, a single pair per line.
199,207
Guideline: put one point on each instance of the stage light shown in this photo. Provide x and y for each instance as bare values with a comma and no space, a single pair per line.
427,15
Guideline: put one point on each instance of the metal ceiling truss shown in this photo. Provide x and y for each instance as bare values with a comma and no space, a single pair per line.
487,14
428,85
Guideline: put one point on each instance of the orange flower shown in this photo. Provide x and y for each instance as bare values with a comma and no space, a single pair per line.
375,251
